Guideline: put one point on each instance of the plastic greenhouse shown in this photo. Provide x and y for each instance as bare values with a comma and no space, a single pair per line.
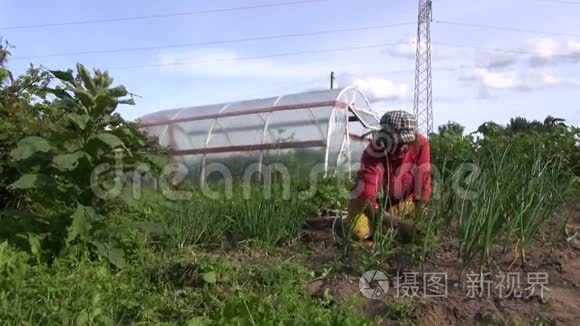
323,128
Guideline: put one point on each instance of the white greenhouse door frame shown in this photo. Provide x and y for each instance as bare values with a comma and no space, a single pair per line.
356,94
347,137
344,145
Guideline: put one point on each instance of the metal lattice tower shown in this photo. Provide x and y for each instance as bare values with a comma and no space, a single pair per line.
423,102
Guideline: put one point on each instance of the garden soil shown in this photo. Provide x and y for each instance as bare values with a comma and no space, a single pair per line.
320,250
559,304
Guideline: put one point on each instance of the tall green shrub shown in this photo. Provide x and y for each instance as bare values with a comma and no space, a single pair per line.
63,174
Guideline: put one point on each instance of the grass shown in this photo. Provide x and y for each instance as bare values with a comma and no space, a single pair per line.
402,310
267,220
203,221
198,222
162,289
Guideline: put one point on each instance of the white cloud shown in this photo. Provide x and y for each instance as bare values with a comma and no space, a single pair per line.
494,80
226,63
409,51
535,52
574,46
376,88
547,51
518,68
448,99
571,83
497,60
543,49
525,82
223,63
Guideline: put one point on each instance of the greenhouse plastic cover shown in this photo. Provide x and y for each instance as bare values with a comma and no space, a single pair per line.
322,123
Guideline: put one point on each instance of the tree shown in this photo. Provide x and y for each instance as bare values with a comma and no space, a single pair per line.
550,121
490,128
518,125
5,74
521,125
451,128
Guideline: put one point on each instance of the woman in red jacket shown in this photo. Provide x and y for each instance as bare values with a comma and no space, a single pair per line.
398,162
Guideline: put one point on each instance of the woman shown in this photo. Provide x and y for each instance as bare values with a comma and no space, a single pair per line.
397,162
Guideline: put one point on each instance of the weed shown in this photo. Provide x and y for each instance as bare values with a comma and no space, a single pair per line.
402,310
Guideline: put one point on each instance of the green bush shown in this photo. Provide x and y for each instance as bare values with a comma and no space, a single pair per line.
24,111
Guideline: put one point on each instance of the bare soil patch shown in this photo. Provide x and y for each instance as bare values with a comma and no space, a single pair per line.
559,304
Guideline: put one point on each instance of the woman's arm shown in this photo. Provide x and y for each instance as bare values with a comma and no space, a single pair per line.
369,179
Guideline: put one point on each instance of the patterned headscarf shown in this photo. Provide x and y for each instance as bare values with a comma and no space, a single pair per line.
401,125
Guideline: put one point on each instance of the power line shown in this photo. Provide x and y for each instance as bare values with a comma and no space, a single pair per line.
395,72
175,14
512,51
283,54
239,40
375,73
483,49
486,49
341,49
453,67
459,68
288,87
292,35
504,28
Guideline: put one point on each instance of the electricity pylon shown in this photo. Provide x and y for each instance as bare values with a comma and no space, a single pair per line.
423,101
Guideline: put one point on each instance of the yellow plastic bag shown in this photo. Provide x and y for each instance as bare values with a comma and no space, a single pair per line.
362,227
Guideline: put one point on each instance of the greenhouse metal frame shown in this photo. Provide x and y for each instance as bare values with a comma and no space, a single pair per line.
332,123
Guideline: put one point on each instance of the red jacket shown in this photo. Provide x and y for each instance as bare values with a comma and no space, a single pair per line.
410,177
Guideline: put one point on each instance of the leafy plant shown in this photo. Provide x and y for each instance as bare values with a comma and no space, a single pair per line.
68,174
328,193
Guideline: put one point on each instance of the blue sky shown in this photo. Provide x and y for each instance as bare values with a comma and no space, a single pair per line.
533,75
